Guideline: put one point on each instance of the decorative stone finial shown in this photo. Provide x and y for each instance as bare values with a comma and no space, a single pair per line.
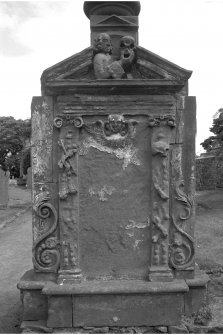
120,8
116,18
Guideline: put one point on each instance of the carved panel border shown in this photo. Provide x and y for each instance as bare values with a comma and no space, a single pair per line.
68,197
182,247
160,220
46,256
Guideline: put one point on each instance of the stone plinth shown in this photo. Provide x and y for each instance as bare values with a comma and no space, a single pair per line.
113,191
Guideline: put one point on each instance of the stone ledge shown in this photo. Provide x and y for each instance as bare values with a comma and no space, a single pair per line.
32,280
116,287
199,280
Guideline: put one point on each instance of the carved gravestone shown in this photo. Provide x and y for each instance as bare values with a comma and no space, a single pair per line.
113,185
4,187
29,178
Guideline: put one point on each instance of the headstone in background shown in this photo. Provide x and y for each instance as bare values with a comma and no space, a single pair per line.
206,174
4,188
29,178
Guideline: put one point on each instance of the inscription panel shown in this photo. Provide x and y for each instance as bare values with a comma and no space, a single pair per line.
114,181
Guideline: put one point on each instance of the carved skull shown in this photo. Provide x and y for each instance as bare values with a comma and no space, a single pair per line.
127,46
116,125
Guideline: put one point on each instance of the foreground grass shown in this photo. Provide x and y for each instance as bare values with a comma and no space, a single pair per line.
209,230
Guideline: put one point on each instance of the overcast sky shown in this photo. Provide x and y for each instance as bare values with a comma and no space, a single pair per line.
37,34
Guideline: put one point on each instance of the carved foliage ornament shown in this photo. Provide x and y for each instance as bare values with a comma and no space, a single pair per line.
182,247
160,179
45,249
182,244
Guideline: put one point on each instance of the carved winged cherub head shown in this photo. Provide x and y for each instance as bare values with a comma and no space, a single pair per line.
115,125
103,44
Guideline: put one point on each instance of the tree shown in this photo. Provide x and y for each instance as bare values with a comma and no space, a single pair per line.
14,135
215,142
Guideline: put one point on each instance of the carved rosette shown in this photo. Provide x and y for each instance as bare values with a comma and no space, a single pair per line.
160,147
68,196
46,255
182,243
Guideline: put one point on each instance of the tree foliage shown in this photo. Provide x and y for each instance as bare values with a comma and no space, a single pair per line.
215,142
13,137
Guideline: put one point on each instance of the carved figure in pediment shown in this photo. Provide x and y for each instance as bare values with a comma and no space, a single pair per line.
127,49
105,66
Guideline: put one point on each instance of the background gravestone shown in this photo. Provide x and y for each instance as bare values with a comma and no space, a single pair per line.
4,185
113,184
29,178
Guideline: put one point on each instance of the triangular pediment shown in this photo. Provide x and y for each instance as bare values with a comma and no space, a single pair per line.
147,65
115,20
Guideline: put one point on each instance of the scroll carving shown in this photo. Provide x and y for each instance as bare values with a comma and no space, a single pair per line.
46,255
162,120
182,244
64,120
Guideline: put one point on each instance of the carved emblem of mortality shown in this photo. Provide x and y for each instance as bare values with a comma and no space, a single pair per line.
105,66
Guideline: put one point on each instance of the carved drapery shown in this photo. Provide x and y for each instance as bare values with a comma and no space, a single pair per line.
46,256
161,131
68,197
182,243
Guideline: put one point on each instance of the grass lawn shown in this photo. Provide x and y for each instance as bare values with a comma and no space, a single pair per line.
209,230
209,247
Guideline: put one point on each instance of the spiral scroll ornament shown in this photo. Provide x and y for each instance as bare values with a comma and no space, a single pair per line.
46,255
182,247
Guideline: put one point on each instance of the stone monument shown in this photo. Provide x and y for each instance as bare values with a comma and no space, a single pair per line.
4,188
113,158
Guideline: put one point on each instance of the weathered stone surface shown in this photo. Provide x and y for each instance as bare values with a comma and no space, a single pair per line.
162,329
35,327
115,241
178,330
194,299
29,178
59,312
197,293
42,139
34,305
205,329
111,310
